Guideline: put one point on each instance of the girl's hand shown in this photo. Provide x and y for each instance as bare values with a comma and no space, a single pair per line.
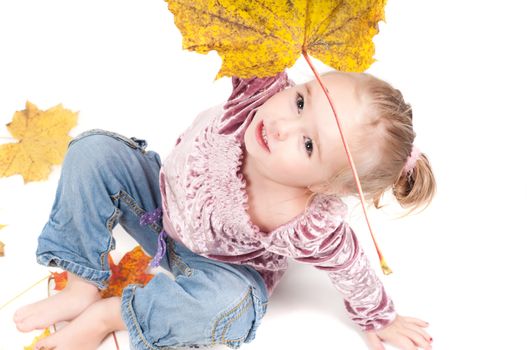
405,333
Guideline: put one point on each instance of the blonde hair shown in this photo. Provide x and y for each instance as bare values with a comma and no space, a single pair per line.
381,149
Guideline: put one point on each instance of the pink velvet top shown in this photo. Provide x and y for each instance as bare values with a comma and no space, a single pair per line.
205,207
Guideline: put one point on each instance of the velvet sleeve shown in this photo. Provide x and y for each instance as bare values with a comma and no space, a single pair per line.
247,95
324,240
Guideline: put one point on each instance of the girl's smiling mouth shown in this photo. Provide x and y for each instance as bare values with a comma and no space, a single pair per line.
261,136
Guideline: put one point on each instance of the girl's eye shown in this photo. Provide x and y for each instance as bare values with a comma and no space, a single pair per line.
308,144
299,101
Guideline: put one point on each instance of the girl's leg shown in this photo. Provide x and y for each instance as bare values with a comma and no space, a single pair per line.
89,329
208,303
106,178
103,182
77,295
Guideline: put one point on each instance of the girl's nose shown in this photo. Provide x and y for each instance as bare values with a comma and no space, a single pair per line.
281,129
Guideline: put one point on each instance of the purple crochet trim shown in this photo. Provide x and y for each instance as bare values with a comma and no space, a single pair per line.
148,218
161,249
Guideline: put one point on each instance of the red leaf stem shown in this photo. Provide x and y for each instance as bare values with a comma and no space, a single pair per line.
385,269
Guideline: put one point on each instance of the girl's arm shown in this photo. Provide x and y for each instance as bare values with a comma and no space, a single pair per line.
404,332
326,241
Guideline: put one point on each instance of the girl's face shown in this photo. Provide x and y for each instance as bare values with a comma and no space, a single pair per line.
293,139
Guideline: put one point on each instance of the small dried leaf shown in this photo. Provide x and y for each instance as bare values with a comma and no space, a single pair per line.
61,280
130,270
43,141
2,245
44,334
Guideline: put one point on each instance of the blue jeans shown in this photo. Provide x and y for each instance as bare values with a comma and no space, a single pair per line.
108,179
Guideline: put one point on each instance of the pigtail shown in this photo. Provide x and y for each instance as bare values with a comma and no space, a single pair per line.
384,151
415,187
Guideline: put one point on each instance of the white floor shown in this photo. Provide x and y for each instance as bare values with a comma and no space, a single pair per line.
458,265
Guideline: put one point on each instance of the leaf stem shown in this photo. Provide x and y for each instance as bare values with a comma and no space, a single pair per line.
51,277
385,269
21,293
115,340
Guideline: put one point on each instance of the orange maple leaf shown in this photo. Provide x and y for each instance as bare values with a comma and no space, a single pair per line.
130,270
61,280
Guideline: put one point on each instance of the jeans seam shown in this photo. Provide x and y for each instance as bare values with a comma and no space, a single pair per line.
179,263
133,142
74,268
135,322
109,227
231,321
226,314
128,199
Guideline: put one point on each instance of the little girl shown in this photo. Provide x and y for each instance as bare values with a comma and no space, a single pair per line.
249,185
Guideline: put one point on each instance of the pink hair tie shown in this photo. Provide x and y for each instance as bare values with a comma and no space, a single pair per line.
412,159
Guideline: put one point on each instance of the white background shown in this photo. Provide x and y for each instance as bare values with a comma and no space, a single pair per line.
461,64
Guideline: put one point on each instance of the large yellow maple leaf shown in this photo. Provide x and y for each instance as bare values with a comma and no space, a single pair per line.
263,37
43,140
